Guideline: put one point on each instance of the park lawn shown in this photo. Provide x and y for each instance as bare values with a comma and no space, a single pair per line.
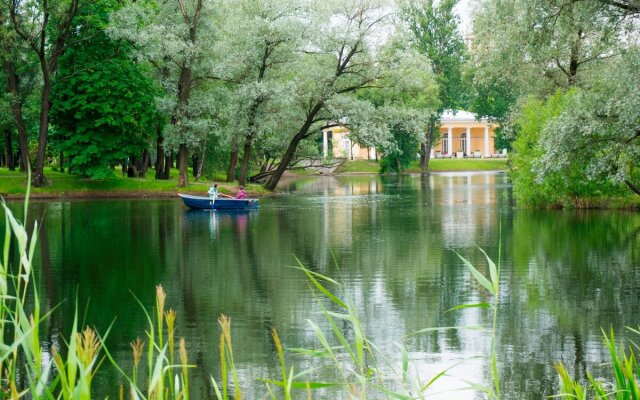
14,184
462,164
435,165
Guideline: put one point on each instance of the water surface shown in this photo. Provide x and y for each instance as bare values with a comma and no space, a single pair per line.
391,242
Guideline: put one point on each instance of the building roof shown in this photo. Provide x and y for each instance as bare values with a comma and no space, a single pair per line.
460,116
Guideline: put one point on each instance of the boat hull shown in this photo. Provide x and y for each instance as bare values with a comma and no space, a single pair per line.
207,203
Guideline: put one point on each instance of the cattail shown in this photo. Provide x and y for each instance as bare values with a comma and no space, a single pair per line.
170,315
88,347
183,353
137,346
161,296
185,361
225,324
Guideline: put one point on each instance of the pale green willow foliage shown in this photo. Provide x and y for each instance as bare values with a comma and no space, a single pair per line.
599,128
275,72
258,40
530,44
161,37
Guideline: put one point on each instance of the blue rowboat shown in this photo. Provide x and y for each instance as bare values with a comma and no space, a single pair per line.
207,203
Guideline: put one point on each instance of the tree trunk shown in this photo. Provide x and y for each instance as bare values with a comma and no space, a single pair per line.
168,164
144,165
62,162
195,162
233,160
133,167
427,154
633,187
272,183
246,153
160,156
201,164
16,109
423,155
45,104
8,146
183,177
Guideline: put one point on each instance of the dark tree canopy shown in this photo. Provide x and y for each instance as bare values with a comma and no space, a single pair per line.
103,107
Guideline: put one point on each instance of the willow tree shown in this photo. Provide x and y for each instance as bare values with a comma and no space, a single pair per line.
537,47
599,128
45,27
339,58
175,37
530,52
253,63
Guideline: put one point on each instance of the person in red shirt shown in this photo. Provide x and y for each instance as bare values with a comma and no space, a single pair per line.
241,194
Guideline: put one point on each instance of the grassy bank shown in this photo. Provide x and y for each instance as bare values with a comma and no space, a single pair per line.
13,184
435,165
462,164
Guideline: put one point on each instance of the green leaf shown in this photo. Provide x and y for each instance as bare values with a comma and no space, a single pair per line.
472,305
477,275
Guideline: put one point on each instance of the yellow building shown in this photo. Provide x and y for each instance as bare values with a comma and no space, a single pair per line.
336,141
461,135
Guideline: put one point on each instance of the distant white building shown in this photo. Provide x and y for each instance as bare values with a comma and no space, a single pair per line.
461,135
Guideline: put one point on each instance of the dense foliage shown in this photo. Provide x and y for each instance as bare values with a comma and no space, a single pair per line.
244,88
104,111
562,77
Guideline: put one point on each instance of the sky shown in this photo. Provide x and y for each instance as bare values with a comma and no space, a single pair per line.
465,10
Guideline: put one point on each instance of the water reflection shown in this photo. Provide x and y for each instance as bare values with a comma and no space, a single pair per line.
215,219
389,240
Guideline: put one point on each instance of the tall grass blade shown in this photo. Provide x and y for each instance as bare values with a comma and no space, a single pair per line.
477,275
493,272
312,277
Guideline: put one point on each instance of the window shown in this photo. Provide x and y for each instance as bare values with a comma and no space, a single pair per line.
445,144
463,143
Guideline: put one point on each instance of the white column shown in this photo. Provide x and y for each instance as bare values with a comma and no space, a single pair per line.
450,139
468,149
325,144
486,141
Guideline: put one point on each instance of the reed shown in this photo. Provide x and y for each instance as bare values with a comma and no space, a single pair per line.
492,285
24,366
165,379
625,370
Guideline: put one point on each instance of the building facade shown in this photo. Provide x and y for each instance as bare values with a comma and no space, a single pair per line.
462,134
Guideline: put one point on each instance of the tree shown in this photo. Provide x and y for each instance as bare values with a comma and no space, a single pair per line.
599,129
103,106
44,26
10,52
435,33
338,60
255,68
168,35
527,56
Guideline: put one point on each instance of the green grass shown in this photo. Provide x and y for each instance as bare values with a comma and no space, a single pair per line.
59,184
464,164
359,166
435,165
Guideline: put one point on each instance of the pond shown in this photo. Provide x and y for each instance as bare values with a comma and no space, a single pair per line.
391,243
